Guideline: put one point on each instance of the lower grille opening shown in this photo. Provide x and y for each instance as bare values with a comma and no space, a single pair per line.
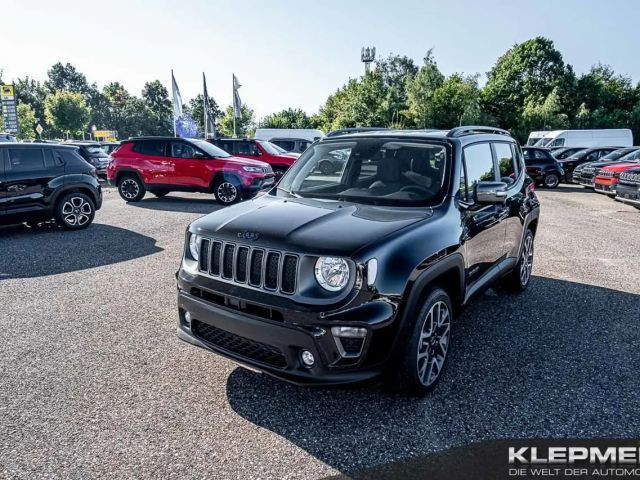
235,304
244,347
352,345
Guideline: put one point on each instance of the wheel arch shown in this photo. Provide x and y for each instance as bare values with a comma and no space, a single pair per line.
128,172
75,189
224,175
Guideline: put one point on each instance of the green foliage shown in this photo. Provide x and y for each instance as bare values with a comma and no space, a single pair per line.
548,115
289,118
67,112
420,93
456,102
245,126
26,121
158,107
196,110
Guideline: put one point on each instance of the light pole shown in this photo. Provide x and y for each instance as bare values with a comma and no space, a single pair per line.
367,55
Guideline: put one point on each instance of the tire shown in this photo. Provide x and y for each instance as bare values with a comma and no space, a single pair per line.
423,359
131,189
227,191
518,279
159,193
75,211
551,180
568,177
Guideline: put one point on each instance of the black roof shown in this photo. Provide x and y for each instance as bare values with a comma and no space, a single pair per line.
39,145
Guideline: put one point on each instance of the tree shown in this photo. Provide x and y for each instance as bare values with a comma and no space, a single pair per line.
456,102
245,125
67,112
66,78
548,115
196,110
526,74
157,103
288,118
420,92
32,93
26,122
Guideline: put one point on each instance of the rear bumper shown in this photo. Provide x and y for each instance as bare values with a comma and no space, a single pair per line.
268,346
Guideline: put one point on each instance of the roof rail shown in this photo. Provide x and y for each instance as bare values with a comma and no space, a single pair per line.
473,129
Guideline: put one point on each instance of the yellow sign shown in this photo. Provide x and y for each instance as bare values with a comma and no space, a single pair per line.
107,135
7,92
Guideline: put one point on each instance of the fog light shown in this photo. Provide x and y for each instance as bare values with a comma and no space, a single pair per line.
349,332
307,358
187,319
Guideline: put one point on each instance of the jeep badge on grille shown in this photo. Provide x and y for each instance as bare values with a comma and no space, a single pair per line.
251,236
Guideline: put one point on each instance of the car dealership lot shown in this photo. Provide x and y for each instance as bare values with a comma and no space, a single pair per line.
94,382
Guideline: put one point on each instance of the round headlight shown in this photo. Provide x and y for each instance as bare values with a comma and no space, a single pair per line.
332,273
194,246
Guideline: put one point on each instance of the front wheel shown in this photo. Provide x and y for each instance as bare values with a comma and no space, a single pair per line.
551,180
75,211
518,279
227,192
424,355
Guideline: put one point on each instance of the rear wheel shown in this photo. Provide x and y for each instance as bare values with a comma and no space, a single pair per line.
227,191
130,188
423,359
75,211
551,180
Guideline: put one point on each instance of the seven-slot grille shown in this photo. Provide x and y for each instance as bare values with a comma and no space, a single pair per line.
630,177
262,268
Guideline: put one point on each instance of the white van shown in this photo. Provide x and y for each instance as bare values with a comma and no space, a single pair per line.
610,137
534,137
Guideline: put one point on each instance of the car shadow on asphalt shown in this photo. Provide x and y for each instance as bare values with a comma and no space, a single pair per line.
560,360
172,203
49,250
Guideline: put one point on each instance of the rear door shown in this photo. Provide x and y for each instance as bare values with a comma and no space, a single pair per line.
151,160
28,174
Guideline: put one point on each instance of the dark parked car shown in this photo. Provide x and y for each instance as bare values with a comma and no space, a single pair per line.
628,189
340,279
585,174
109,147
40,182
563,152
542,167
6,137
93,153
583,156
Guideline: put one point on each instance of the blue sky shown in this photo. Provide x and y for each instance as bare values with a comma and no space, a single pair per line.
295,53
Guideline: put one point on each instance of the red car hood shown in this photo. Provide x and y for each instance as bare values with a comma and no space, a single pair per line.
620,167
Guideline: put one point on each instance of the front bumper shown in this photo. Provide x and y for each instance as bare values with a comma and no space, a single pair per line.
608,189
250,334
628,194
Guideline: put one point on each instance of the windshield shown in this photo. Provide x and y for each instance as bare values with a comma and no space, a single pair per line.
543,141
209,149
616,154
278,148
377,171
271,148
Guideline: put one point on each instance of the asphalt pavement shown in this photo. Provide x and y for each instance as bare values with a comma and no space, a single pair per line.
95,384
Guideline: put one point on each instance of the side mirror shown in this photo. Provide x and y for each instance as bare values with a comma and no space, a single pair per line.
490,192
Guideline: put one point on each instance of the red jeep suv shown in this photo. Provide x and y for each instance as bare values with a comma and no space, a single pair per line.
258,150
164,164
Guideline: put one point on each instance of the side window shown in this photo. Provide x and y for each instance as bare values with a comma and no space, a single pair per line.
592,156
244,148
151,147
182,150
528,156
478,166
288,145
541,156
68,156
25,159
506,162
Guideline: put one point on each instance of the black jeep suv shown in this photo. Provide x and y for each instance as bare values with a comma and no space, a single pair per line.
40,182
344,277
542,167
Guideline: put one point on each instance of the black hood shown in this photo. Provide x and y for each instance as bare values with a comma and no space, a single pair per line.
307,225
